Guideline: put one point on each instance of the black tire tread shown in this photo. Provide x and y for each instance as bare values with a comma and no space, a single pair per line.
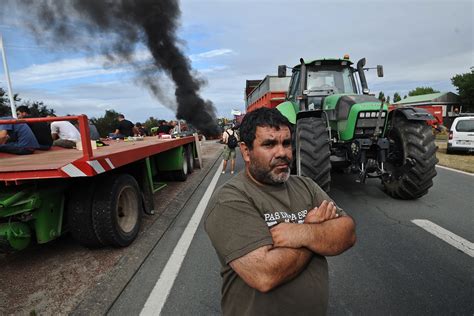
314,151
103,205
418,144
79,215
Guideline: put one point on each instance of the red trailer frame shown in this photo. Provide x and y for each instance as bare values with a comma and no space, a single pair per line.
64,163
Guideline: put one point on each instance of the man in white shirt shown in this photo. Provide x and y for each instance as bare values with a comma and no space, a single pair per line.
64,134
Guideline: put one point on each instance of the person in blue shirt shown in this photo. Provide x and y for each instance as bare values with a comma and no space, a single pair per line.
16,138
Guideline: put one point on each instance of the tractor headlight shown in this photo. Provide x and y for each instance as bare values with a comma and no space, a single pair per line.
384,114
362,114
373,114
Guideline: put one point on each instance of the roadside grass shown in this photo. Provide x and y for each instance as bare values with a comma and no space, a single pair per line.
463,162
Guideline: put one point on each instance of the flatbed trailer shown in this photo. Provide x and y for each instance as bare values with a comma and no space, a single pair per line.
99,195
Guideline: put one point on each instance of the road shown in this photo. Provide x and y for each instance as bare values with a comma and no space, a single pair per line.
396,266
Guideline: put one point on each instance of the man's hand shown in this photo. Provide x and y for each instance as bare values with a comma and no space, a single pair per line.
288,235
326,211
3,137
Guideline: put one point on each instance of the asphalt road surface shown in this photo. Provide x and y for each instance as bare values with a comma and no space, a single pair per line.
396,266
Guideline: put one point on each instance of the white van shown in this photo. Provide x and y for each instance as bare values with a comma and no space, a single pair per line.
461,135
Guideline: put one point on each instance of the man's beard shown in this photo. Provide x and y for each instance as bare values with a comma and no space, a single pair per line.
268,175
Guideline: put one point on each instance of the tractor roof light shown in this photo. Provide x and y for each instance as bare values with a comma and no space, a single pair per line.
346,56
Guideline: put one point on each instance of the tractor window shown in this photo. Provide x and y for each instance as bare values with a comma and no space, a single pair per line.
294,85
324,79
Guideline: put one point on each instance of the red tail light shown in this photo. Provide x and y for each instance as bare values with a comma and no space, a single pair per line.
450,135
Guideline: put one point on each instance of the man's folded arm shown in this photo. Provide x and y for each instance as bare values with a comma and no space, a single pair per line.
266,267
329,238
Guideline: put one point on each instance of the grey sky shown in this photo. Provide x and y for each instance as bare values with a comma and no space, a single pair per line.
420,43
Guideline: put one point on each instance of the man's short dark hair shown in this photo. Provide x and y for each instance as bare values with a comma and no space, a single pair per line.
23,109
263,117
5,110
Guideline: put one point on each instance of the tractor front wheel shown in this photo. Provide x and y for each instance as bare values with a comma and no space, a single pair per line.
312,151
412,159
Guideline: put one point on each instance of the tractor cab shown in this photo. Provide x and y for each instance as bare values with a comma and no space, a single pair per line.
322,78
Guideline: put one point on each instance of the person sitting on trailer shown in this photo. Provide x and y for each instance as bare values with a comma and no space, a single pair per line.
41,130
64,133
93,131
16,138
164,128
141,130
124,128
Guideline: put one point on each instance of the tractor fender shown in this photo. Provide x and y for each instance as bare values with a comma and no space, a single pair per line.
288,110
412,114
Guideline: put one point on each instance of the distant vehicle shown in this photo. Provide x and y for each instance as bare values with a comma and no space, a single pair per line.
461,135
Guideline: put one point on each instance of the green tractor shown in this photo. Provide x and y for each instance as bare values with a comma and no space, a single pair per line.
339,125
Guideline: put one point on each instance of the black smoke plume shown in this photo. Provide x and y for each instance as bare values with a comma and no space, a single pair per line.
116,28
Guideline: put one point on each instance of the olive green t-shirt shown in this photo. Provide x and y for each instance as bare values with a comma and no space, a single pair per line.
238,218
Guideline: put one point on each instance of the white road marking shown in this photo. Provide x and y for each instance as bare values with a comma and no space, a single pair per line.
454,240
458,171
160,292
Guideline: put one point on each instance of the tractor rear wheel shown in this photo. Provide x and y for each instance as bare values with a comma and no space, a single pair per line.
312,151
117,210
412,159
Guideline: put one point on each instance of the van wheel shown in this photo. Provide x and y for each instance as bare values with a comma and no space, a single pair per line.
117,210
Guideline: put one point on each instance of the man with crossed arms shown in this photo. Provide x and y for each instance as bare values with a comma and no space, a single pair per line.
271,230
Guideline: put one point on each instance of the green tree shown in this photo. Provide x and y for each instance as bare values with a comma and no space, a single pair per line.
396,97
38,108
151,122
4,107
381,96
464,84
388,100
107,123
421,91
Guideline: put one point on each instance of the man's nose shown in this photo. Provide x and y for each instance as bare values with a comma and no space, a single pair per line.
281,151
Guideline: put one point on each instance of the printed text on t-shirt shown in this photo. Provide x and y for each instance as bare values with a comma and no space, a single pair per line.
278,217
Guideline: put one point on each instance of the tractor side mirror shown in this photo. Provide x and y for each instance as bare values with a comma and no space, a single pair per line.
281,71
379,70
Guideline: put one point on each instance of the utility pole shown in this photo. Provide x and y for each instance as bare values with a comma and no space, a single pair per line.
7,75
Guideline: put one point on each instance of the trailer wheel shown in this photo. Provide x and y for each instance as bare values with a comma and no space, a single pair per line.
79,214
312,151
182,174
190,158
412,159
117,210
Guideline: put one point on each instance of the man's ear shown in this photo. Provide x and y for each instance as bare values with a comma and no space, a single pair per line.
245,152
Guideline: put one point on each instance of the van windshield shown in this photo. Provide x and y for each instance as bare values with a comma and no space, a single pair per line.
465,126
